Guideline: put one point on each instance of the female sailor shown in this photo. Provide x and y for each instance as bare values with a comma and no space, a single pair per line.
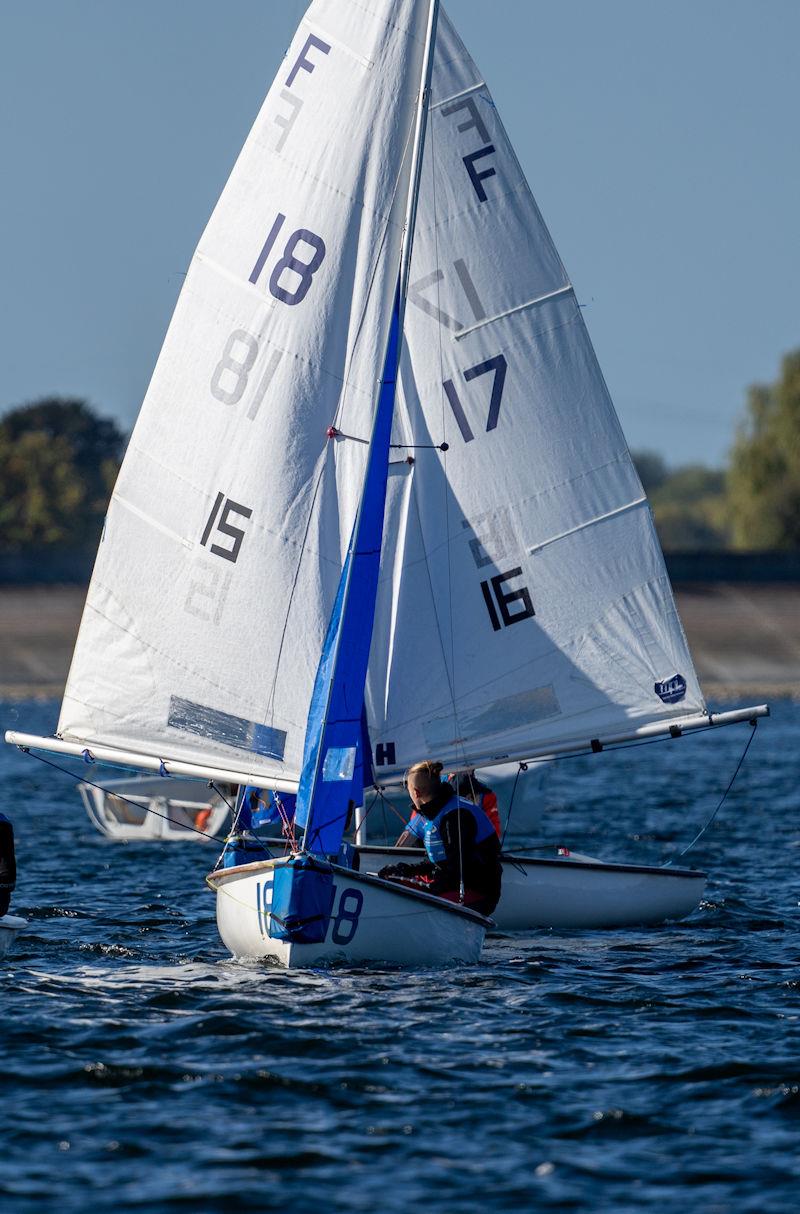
463,850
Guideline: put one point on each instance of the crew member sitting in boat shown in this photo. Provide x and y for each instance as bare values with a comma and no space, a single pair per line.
8,864
469,788
463,850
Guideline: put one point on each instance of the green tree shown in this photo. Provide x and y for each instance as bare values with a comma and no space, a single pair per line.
651,468
691,509
58,464
764,474
689,504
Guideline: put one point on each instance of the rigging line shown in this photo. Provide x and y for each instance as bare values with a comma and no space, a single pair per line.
431,145
378,796
721,801
367,811
64,771
391,805
220,793
522,767
332,432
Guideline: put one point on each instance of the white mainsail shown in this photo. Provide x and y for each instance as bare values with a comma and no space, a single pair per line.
203,627
524,601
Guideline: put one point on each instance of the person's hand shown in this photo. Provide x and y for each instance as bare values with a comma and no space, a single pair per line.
395,870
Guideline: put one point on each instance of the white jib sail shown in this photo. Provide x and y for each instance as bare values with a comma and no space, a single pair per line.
524,599
202,628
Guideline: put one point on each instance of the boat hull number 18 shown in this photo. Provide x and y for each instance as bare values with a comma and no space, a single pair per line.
344,917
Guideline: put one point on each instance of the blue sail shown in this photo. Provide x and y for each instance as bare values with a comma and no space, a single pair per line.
337,758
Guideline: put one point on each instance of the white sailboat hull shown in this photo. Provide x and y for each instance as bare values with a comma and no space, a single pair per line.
154,808
392,926
10,927
576,891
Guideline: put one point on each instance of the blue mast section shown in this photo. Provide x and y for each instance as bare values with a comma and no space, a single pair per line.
337,757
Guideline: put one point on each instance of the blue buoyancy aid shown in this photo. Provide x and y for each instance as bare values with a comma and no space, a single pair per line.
432,839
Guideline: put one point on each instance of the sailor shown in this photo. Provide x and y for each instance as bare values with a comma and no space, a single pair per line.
470,788
8,865
272,808
463,851
241,845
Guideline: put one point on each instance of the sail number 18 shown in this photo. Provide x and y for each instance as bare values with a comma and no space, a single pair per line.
295,260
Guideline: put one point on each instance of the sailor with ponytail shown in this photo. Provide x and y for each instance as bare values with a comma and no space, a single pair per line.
462,848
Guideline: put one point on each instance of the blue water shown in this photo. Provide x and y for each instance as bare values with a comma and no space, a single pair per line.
650,1069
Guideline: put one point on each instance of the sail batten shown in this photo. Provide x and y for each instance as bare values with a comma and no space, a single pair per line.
530,303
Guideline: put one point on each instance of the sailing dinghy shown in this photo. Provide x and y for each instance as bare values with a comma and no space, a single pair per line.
146,808
377,504
571,890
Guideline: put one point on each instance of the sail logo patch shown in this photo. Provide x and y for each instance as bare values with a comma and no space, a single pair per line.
671,690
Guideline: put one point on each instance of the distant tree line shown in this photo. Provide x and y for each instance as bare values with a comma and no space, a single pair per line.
753,504
58,464
59,461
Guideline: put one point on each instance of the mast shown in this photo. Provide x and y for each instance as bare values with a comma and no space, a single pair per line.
416,159
319,746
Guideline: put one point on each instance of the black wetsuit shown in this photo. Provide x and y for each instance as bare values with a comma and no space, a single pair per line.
476,864
8,866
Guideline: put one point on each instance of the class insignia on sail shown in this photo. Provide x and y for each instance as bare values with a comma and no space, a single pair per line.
671,690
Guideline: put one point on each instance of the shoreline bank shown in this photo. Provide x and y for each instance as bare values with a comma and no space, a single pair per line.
744,638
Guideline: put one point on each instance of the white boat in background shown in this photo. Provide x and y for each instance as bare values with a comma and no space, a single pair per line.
154,808
570,890
10,928
348,533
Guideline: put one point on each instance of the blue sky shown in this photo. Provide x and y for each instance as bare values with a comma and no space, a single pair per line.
661,142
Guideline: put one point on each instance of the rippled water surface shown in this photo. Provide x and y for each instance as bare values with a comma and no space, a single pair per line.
643,1069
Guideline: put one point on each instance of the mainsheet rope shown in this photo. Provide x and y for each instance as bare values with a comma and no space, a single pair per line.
721,802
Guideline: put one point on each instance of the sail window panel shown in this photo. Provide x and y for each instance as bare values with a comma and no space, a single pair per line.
222,727
169,623
339,763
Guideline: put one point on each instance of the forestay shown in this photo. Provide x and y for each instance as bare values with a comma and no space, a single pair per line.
203,626
524,600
